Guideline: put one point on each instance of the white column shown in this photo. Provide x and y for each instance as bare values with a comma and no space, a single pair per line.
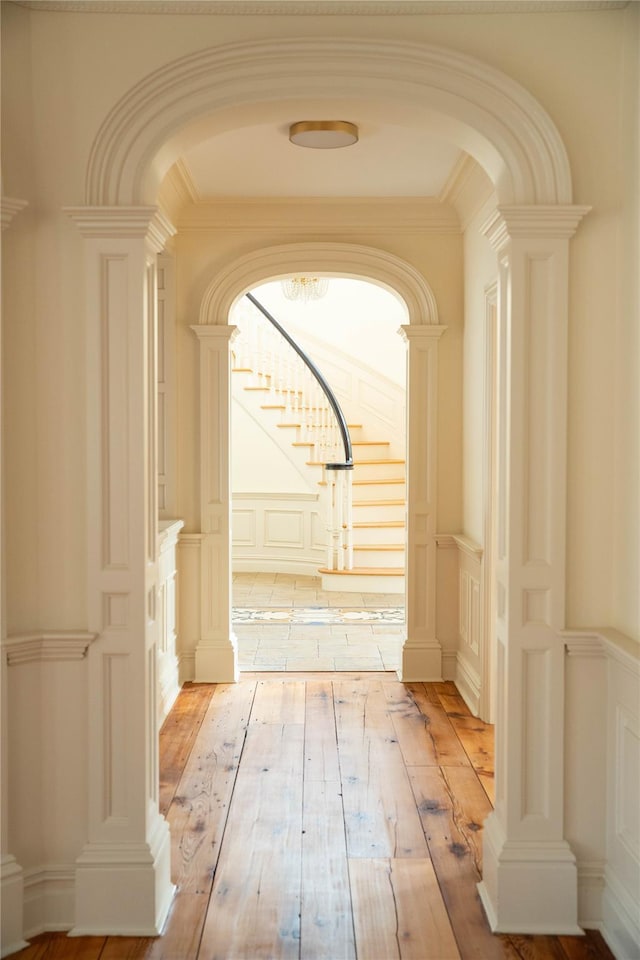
422,653
217,650
11,873
530,877
123,883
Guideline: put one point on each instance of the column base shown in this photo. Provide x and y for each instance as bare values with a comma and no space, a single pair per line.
528,887
124,889
421,661
12,903
217,661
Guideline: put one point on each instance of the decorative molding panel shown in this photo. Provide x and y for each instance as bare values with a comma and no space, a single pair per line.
123,223
9,208
47,646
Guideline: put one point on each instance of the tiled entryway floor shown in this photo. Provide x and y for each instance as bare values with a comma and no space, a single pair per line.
339,631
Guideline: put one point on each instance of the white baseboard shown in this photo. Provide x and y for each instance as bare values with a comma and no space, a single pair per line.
49,898
590,890
468,683
11,902
620,919
449,661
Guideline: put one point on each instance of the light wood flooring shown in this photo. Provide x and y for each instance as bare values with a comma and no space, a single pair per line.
291,647
324,816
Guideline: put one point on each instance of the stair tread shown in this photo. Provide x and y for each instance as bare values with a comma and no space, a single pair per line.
375,480
366,572
379,523
379,503
379,546
382,460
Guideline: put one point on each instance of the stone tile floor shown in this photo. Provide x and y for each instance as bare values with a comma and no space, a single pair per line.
351,631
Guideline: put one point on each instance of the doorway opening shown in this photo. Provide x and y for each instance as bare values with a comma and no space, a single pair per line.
299,602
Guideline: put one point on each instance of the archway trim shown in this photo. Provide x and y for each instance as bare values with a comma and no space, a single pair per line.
483,111
338,259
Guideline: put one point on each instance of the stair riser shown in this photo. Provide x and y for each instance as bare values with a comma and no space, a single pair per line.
363,584
377,471
366,535
369,451
379,491
379,558
363,512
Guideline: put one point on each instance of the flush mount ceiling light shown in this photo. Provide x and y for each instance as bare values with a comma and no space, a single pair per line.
323,134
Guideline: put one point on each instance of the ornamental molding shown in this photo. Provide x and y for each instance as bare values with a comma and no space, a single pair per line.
123,223
224,333
314,8
320,215
547,221
445,541
324,258
604,642
47,647
583,644
9,207
427,333
482,110
468,546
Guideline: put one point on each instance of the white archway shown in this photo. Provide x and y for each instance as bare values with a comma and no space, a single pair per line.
530,882
216,653
483,111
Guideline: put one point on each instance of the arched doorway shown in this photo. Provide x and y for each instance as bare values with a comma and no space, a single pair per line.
530,874
216,657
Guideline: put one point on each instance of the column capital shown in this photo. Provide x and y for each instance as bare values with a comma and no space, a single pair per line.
215,331
421,332
552,221
123,223
9,207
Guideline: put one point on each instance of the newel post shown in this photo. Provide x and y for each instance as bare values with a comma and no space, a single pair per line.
123,883
529,877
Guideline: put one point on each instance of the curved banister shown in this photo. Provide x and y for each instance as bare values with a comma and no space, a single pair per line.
326,389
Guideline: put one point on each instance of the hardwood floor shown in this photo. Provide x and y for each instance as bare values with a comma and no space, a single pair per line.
324,816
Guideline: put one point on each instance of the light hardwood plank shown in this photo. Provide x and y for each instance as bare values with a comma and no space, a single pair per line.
422,727
452,807
279,701
178,735
254,911
199,810
476,737
379,809
327,924
320,745
537,947
398,911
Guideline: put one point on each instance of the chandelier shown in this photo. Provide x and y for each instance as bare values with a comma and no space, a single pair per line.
305,288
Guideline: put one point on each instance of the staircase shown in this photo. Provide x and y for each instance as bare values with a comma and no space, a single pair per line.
367,554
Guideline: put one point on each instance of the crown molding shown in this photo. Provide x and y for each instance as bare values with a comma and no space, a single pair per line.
557,221
123,223
9,207
323,216
467,189
314,8
47,646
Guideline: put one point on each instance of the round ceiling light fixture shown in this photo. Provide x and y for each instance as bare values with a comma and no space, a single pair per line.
323,134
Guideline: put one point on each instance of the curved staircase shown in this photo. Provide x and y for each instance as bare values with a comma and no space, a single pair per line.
303,423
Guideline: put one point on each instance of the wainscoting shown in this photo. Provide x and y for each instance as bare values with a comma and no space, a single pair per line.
283,533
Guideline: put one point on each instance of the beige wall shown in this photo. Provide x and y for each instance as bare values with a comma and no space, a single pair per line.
581,66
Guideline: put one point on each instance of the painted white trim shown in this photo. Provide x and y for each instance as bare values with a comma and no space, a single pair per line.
468,546
9,207
55,645
12,906
49,898
480,105
468,682
621,919
337,259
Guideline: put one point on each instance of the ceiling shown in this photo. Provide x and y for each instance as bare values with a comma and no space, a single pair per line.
257,160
